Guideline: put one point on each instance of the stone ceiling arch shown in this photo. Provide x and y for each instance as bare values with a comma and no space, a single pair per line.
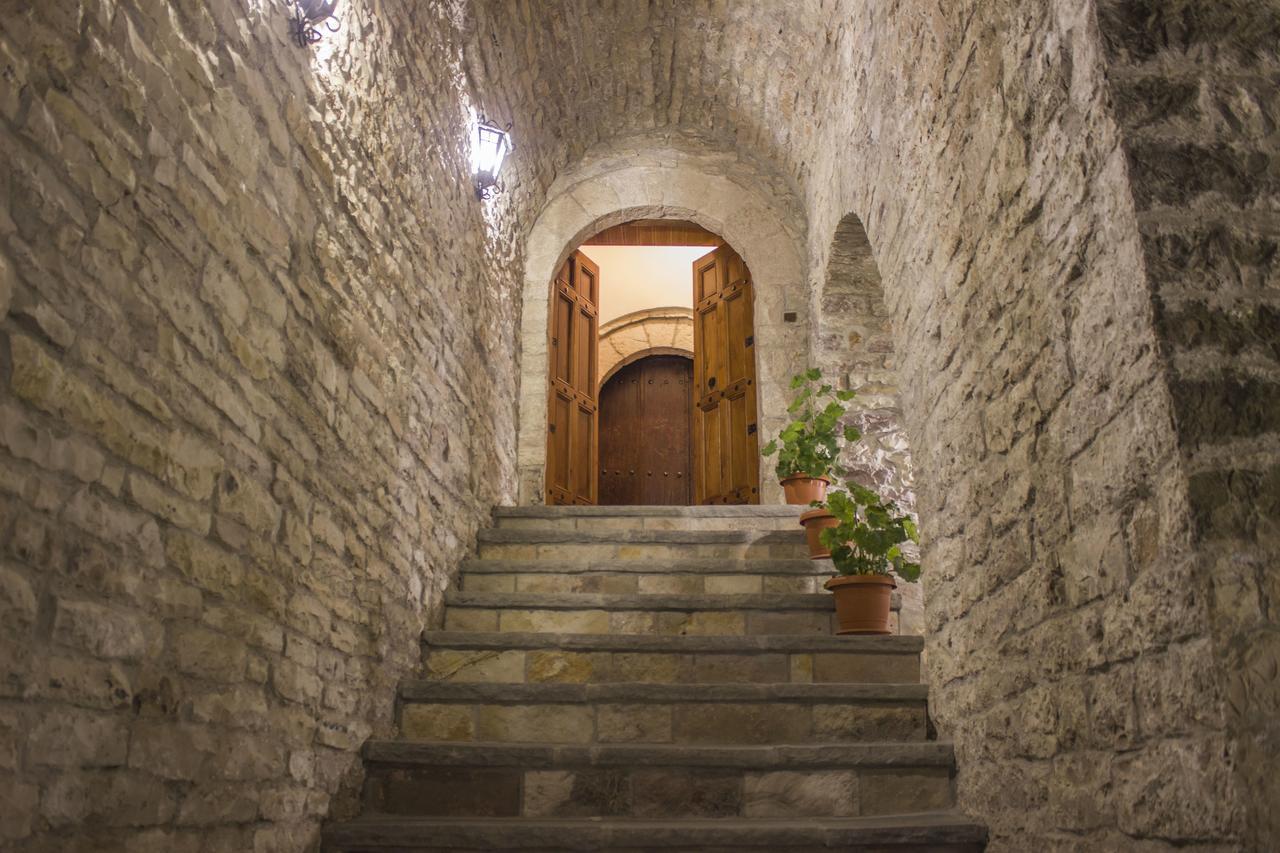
717,191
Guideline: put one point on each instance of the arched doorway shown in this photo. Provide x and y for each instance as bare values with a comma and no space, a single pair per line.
646,432
721,413
719,192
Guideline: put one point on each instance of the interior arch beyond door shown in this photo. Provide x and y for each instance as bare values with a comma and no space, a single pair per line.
726,455
572,404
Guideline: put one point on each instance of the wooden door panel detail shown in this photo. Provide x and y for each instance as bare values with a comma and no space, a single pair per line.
646,432
571,399
725,443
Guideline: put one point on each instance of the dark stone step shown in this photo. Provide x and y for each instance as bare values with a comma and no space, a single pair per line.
637,693
796,644
943,831
533,756
720,511
692,566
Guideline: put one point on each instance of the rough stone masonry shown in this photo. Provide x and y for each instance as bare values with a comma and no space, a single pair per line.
259,373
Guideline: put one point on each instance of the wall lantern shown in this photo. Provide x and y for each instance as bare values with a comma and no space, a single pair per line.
307,15
492,145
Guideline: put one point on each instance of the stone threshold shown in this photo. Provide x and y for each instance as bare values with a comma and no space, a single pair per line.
543,756
552,536
930,831
692,566
639,601
680,644
723,511
420,690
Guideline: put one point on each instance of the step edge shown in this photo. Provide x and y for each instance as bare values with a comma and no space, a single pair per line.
532,756
634,511
667,566
419,690
892,644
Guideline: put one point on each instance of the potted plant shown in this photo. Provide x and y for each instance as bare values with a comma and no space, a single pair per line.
808,447
866,548
814,521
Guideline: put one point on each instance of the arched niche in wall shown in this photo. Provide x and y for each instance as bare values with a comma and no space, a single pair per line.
855,350
717,192
854,347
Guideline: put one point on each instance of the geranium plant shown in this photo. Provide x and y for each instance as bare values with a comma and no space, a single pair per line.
810,445
870,534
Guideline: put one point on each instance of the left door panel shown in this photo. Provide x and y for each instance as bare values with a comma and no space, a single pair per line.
572,403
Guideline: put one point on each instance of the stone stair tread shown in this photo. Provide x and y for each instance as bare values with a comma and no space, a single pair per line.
719,511
553,536
638,601
689,566
683,644
920,830
643,692
774,757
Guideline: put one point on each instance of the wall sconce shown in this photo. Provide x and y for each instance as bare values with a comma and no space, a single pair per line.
307,14
492,145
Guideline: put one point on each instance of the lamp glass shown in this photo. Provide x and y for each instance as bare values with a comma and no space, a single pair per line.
492,145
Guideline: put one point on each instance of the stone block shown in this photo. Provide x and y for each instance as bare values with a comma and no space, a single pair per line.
437,722
898,790
634,723
534,723
468,666
105,632
728,723
791,794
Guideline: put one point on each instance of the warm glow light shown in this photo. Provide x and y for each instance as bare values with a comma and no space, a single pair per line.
488,151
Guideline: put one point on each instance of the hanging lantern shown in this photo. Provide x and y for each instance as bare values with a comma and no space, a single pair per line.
307,15
491,146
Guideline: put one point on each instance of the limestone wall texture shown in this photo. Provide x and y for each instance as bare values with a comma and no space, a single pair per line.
258,353
244,290
1196,88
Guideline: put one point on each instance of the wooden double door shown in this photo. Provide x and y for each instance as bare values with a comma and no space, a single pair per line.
718,412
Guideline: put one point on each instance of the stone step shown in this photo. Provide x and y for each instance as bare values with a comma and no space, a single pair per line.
606,658
585,613
528,780
541,543
706,714
655,576
941,831
647,517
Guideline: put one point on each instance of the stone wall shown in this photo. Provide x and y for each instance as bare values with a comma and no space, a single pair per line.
243,440
655,331
1195,86
1069,630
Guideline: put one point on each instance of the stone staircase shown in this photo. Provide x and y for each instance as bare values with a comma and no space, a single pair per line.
656,678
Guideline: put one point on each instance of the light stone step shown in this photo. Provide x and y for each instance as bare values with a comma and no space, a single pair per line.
604,658
543,543
647,517
655,576
937,832
700,714
584,613
534,780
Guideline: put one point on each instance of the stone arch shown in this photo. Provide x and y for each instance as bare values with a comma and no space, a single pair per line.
717,191
652,331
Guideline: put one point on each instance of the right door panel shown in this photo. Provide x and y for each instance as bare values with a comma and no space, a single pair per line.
725,439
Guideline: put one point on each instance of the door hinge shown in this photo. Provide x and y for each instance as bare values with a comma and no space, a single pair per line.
555,342
551,427
751,429
751,339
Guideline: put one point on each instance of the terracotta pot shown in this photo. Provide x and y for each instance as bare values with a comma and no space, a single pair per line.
814,522
862,603
802,490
